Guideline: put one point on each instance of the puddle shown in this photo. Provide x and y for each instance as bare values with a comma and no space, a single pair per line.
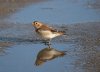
8,7
22,58
21,49
81,45
56,12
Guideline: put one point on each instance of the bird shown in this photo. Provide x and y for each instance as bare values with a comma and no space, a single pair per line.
47,54
45,31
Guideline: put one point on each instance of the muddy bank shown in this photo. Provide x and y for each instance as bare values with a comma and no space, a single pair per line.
94,4
8,7
4,45
85,36
87,32
87,39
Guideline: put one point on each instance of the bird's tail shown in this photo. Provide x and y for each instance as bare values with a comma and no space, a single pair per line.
61,32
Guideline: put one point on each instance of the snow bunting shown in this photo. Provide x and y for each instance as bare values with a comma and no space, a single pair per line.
45,31
47,54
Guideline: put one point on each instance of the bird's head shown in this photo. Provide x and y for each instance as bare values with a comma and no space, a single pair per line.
37,24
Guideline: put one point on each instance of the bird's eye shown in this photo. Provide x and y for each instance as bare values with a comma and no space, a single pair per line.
36,23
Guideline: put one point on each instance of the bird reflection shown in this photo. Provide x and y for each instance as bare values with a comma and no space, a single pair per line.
47,54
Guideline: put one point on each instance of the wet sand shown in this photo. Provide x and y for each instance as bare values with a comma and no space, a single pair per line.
89,31
86,36
21,38
94,4
7,7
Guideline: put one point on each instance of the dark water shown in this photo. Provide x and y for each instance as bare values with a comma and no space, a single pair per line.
19,44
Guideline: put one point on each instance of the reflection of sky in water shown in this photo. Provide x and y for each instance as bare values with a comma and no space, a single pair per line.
21,58
56,11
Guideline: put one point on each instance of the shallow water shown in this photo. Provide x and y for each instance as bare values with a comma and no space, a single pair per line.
22,58
57,12
19,44
82,46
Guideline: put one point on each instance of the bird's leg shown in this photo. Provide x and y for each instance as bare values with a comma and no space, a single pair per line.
49,44
46,42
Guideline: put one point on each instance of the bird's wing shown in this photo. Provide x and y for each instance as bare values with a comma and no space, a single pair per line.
45,27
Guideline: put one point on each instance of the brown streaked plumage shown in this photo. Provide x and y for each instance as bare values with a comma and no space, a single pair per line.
40,25
45,31
48,54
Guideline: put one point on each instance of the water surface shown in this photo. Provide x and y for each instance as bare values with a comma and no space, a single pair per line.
19,44
57,12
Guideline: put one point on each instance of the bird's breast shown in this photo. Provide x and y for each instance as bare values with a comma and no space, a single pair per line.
46,34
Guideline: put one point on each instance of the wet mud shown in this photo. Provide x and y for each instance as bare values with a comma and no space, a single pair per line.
26,50
86,36
7,7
